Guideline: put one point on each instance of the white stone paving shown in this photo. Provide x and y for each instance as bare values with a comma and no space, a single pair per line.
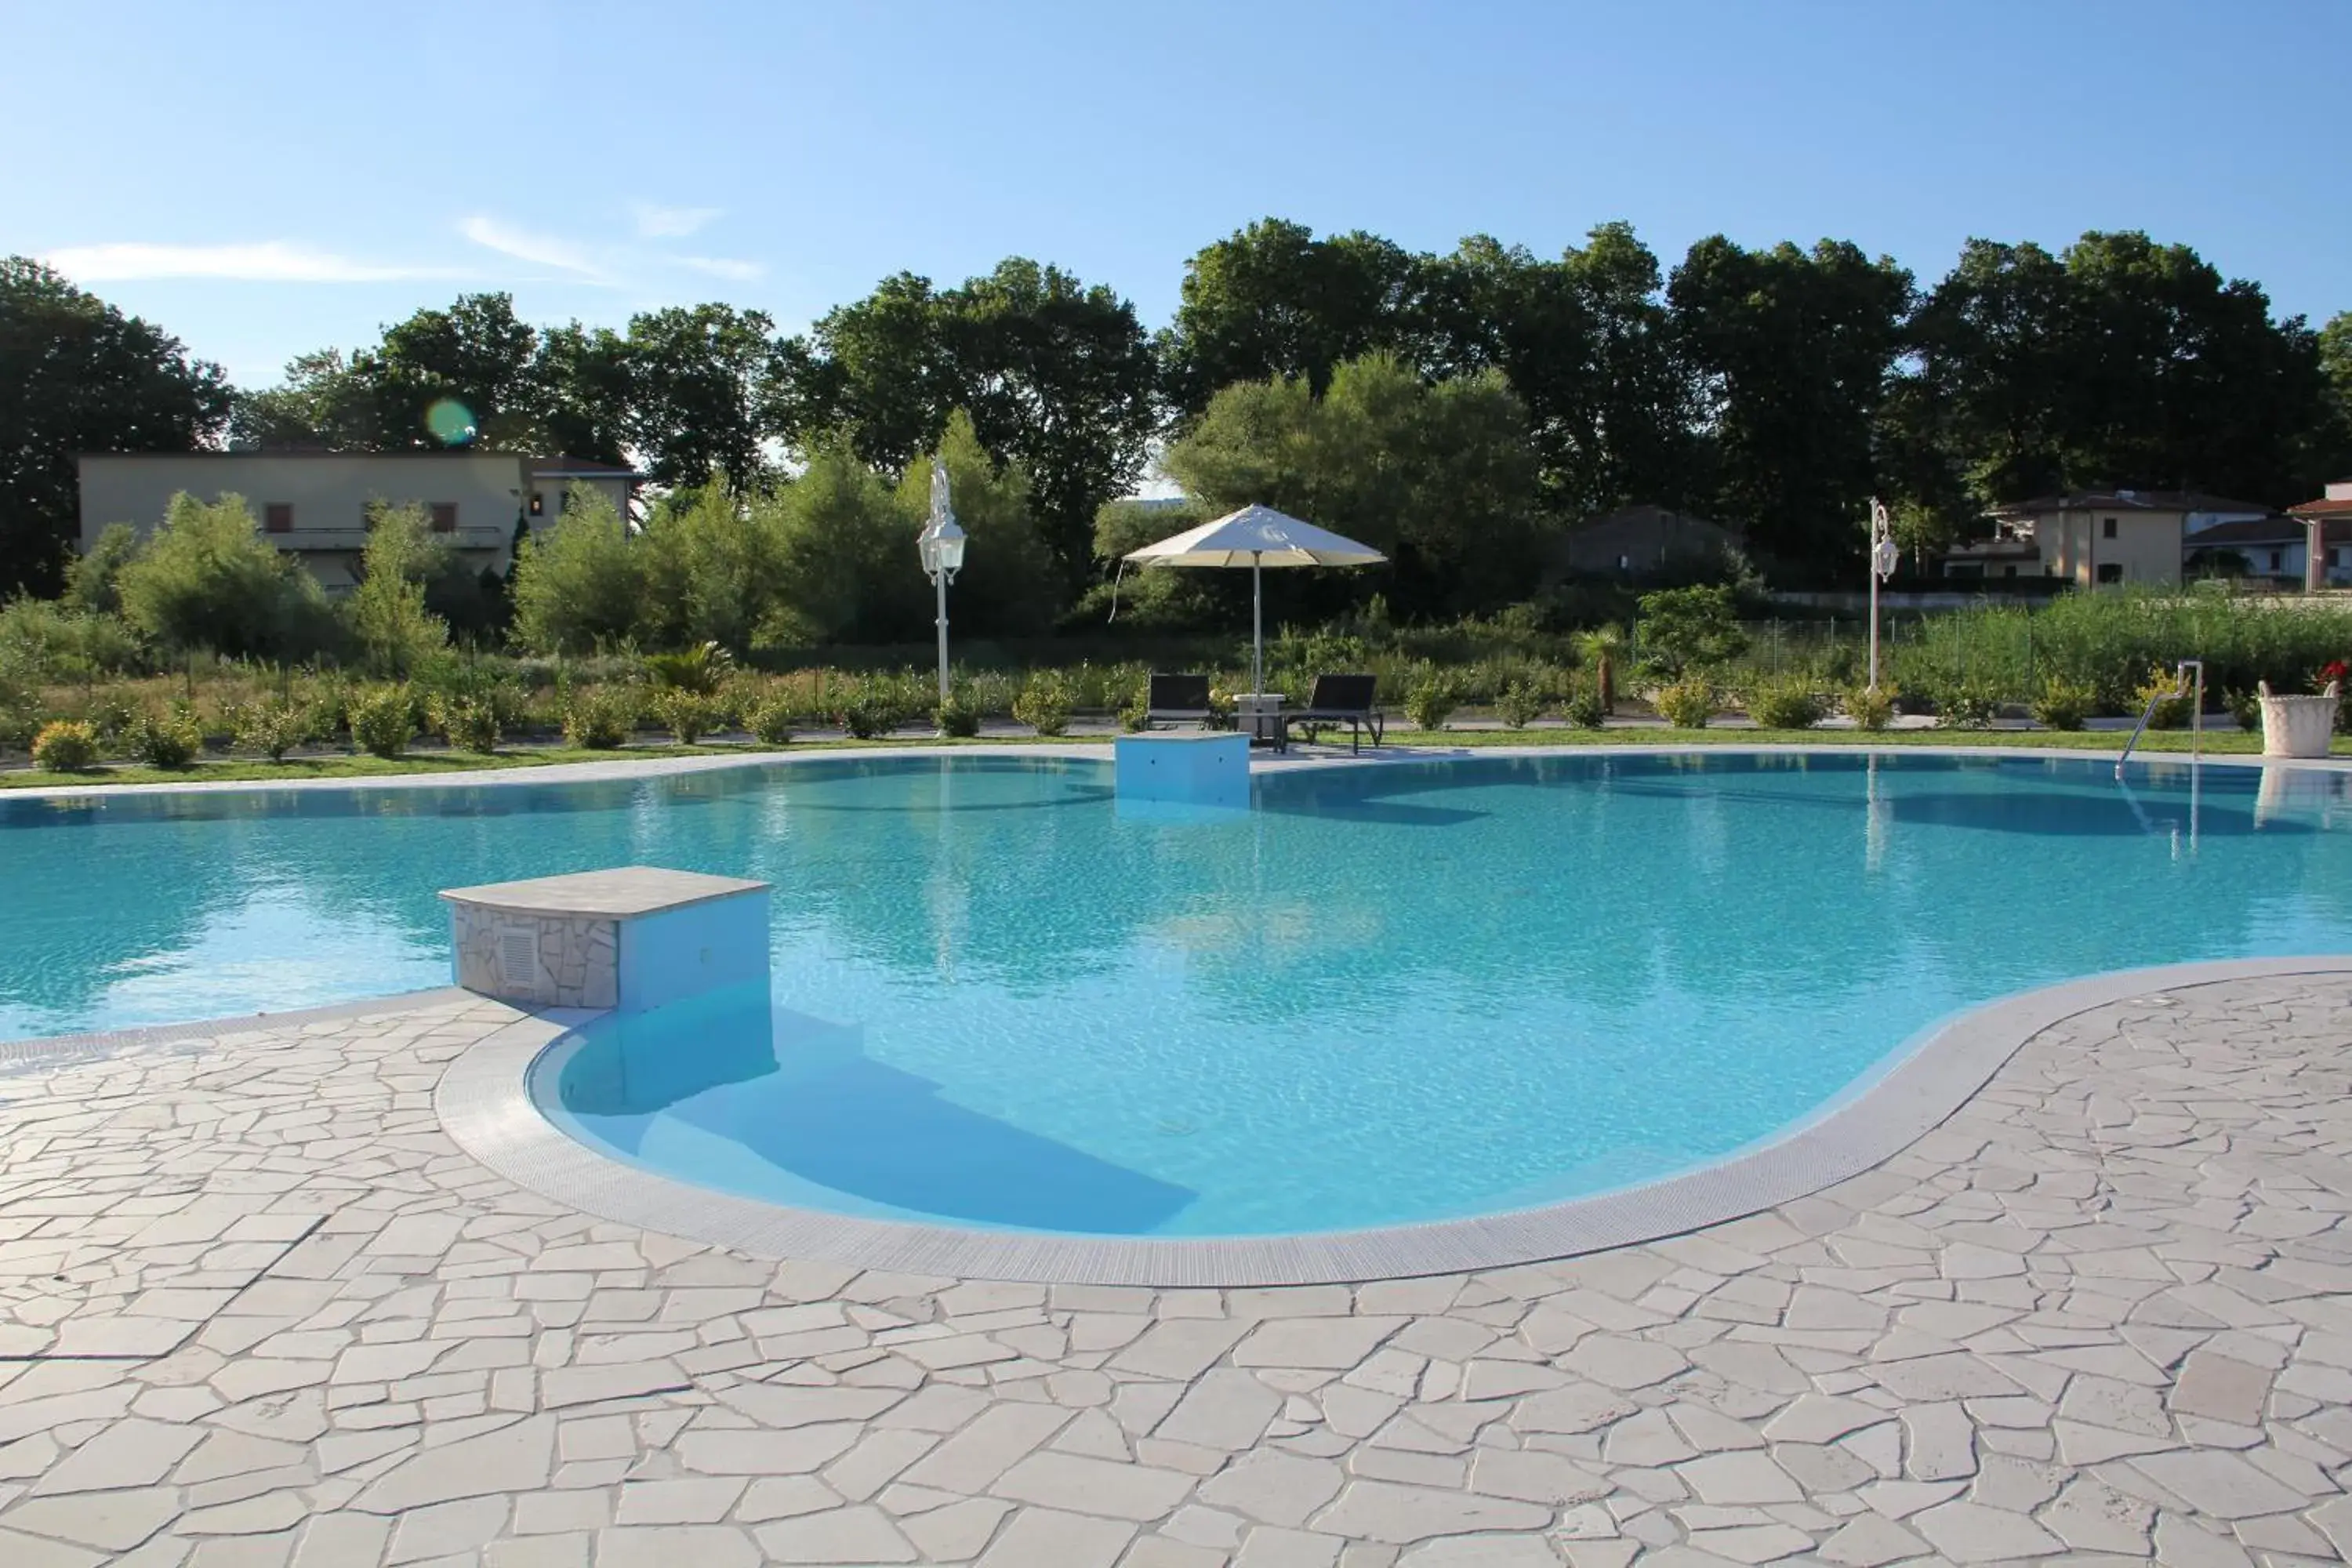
256,1307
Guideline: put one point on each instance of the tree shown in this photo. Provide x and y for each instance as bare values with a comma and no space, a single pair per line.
76,375
714,570
207,579
579,585
581,381
850,570
462,377
1794,351
93,579
1055,375
1440,478
1006,588
2188,383
1273,300
1587,344
387,610
701,388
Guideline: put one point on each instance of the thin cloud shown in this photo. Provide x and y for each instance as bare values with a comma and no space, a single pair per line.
541,249
656,222
724,267
268,261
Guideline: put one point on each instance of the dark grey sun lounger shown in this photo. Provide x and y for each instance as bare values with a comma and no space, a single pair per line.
1341,699
1177,700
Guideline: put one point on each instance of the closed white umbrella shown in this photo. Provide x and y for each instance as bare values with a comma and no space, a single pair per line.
1256,537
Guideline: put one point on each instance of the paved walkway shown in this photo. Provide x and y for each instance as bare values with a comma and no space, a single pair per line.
255,1308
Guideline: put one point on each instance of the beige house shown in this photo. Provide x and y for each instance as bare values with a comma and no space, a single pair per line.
2091,537
316,504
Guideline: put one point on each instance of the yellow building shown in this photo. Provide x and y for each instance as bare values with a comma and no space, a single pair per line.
316,504
2094,538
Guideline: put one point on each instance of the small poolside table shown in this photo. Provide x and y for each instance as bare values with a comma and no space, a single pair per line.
1260,714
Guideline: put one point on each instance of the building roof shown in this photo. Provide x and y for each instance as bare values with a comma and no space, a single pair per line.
2266,531
2324,507
2126,500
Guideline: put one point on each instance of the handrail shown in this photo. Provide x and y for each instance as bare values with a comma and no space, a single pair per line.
2196,713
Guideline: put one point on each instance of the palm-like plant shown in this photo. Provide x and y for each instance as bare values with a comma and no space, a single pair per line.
1601,647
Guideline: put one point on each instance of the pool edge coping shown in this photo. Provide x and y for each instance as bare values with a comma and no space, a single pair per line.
483,1102
621,769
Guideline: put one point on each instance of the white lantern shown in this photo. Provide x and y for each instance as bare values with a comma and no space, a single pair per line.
941,547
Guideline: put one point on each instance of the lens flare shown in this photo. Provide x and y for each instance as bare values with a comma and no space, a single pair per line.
451,422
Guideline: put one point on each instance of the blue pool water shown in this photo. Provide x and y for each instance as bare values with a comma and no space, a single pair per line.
1385,996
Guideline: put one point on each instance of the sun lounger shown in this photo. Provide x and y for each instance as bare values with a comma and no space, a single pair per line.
1177,700
1341,699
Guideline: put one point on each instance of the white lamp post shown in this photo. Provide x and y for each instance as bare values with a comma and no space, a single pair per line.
941,547
1884,557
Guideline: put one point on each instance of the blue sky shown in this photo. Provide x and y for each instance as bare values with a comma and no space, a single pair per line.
266,178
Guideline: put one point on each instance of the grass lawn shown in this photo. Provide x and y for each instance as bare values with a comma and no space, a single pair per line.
342,765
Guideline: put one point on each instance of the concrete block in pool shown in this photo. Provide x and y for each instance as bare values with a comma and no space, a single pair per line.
633,938
1184,769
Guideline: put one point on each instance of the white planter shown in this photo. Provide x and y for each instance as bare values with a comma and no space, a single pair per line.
2297,726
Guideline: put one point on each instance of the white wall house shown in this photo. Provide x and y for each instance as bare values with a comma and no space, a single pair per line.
316,504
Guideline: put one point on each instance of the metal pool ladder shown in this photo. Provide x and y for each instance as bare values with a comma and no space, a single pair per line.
2180,688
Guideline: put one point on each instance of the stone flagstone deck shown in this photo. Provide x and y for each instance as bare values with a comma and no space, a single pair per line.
256,1308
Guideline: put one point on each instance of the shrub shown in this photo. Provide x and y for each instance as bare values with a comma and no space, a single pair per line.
274,727
208,579
1430,701
1602,649
699,669
383,720
170,738
2160,697
65,746
1870,709
868,714
1518,705
1687,703
469,723
1786,704
1044,703
113,717
770,718
687,715
2246,707
2062,704
1683,629
959,716
1584,707
599,719
1135,715
1969,704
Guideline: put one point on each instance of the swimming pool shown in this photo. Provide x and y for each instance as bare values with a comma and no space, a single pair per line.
1388,995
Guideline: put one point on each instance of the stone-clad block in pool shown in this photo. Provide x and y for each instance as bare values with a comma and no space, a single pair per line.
632,938
1188,769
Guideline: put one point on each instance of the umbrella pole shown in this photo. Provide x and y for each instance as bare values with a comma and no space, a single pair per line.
1257,625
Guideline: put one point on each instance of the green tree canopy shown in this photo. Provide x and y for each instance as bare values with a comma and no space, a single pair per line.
1055,375
1792,351
77,375
1440,477
206,579
578,583
386,611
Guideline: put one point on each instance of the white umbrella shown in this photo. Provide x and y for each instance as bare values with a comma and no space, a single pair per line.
1256,537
